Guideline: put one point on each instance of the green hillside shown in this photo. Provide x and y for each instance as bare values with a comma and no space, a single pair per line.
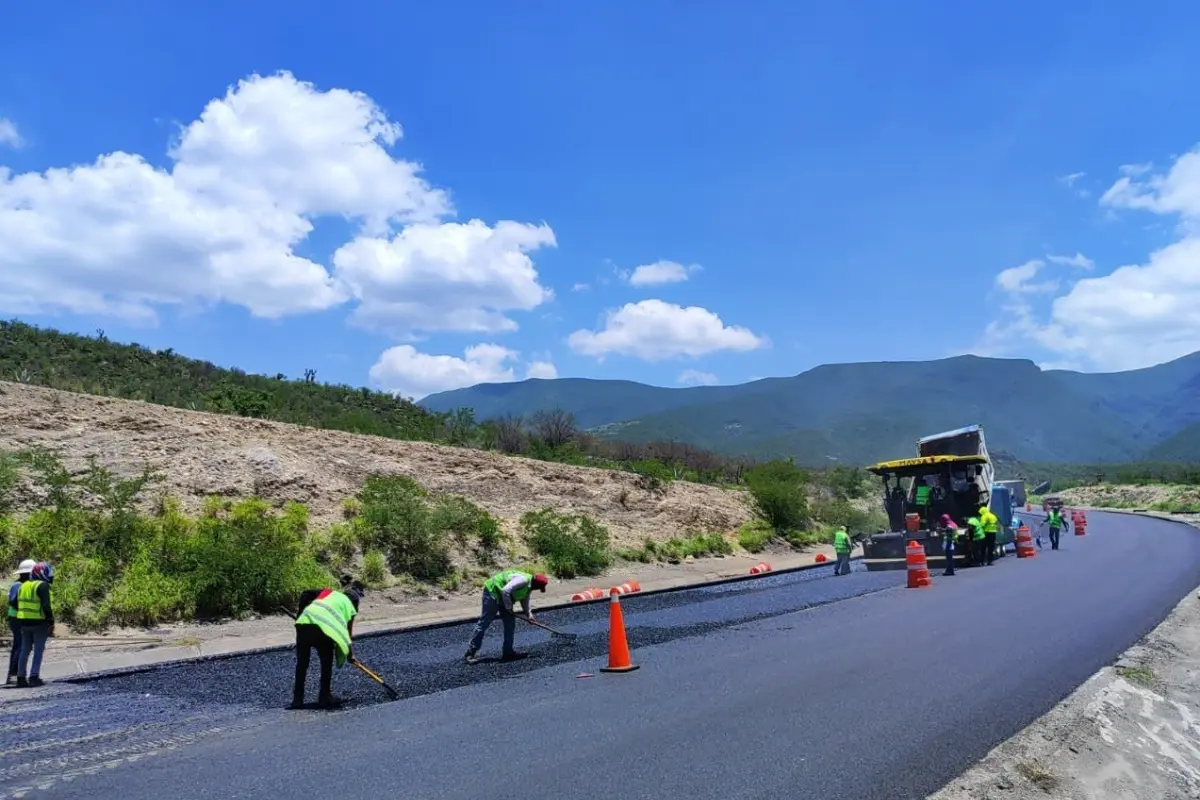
860,413
95,365
1183,447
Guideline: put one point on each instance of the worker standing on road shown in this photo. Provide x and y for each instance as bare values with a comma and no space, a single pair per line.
1054,519
35,615
950,532
325,624
499,593
975,542
842,546
990,523
14,624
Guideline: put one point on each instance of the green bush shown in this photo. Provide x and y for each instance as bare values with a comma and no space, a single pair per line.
396,519
696,546
779,490
572,546
754,536
374,572
465,522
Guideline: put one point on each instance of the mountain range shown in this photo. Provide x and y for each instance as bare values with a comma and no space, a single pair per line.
861,413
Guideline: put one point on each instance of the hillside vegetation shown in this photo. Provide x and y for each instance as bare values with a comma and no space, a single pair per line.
861,413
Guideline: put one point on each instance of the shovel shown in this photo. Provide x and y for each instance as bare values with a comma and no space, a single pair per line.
370,674
554,634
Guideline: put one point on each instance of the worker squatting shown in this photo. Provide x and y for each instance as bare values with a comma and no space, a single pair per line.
30,621
325,623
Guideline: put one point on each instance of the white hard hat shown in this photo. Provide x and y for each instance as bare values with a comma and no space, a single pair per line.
26,566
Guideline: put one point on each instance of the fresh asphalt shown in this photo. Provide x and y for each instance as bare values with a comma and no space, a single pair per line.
798,685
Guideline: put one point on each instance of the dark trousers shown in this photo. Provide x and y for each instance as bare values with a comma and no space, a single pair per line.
14,658
974,552
949,560
1054,532
989,547
308,638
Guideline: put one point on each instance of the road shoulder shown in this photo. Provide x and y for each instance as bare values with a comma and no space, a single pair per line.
1131,732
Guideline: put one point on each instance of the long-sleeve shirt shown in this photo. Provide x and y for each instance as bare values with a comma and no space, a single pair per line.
506,594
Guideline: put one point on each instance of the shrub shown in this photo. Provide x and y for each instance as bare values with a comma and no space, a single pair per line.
779,491
144,596
374,572
396,520
572,546
697,546
754,536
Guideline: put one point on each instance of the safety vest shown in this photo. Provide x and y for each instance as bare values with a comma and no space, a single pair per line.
1055,519
12,611
332,614
495,584
990,521
977,526
841,542
29,605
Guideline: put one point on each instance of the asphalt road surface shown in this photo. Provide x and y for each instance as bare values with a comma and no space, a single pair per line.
793,686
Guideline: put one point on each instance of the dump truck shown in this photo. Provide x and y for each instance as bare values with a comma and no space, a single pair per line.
1017,489
952,474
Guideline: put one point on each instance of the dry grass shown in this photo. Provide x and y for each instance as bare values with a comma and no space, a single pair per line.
204,454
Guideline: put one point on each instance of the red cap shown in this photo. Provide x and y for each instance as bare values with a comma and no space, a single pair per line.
540,581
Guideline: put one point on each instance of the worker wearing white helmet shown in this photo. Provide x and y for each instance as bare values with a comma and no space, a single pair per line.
14,624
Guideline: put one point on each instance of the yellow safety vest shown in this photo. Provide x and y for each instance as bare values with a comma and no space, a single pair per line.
332,614
29,605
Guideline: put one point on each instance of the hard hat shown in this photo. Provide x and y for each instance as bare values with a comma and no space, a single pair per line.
540,581
26,566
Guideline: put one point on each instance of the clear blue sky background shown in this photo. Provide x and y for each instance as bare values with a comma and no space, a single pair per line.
850,176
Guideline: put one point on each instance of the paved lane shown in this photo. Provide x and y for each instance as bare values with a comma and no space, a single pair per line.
845,700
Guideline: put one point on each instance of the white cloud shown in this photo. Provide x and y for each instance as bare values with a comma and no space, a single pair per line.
694,377
658,273
580,287
653,330
1079,260
9,134
406,371
447,277
541,369
244,186
1137,315
1019,279
1070,180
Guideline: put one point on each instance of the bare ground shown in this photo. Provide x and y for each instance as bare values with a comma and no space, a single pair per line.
1132,732
1182,501
203,454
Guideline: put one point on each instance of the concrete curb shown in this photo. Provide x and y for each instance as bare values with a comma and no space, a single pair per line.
196,653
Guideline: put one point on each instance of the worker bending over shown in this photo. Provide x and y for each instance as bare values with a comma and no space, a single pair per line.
990,523
499,593
35,616
325,624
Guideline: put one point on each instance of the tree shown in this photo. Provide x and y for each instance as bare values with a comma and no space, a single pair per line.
780,493
553,427
510,434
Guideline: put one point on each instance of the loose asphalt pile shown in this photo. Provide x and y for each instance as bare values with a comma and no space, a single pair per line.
423,662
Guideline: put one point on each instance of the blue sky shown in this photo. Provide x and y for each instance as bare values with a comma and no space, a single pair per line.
866,181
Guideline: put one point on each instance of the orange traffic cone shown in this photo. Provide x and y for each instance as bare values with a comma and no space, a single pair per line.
1025,548
618,645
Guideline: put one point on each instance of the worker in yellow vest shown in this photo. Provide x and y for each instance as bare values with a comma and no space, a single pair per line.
842,547
35,615
499,593
14,624
326,625
975,541
990,524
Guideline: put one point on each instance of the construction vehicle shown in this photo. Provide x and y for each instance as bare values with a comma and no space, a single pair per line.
952,474
1017,490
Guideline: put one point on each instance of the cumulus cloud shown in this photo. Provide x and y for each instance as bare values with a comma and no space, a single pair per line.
8,133
541,369
1136,315
245,184
658,273
1020,279
653,330
408,372
694,377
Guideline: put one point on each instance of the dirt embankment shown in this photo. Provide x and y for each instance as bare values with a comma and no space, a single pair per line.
1181,502
202,454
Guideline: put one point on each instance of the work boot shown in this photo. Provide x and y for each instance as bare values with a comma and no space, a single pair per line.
35,682
297,703
470,656
330,702
10,680
21,682
514,656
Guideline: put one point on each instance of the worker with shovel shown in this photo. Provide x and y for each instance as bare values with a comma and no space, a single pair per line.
499,593
325,624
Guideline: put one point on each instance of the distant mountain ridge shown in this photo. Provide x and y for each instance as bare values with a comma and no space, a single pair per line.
860,413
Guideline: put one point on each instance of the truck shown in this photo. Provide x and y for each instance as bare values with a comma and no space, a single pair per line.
951,474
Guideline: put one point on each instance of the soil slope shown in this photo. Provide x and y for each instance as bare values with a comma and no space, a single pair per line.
203,454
